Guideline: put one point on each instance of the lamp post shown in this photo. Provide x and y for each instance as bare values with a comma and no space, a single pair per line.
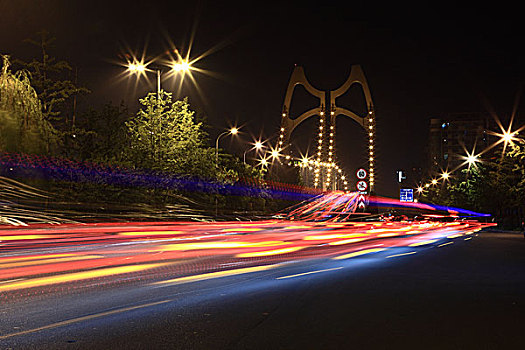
232,131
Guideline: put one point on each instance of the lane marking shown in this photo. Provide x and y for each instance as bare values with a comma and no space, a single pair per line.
83,318
402,254
441,245
360,252
466,239
308,273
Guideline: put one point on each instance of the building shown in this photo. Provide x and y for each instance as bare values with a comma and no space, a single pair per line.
451,137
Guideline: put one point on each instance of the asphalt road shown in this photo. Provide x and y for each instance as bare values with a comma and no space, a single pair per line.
466,295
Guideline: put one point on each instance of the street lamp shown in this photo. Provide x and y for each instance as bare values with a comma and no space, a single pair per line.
140,68
445,175
181,66
263,162
258,145
232,131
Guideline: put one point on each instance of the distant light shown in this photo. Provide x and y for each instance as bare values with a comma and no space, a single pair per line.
234,131
420,189
445,175
434,181
258,145
275,153
471,159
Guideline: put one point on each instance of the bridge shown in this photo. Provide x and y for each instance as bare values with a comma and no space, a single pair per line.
322,170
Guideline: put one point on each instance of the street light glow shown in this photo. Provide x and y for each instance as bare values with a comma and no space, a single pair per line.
507,137
234,131
445,175
434,181
258,145
136,68
471,159
275,153
181,66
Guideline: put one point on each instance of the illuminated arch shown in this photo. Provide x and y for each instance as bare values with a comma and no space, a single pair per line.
326,154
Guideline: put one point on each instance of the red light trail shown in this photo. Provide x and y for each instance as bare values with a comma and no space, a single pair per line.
49,258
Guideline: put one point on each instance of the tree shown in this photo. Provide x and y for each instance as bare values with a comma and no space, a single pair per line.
496,186
48,78
165,137
99,135
22,125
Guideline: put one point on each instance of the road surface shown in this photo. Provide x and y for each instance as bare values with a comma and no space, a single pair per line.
443,287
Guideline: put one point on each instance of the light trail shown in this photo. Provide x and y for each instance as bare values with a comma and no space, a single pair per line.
39,259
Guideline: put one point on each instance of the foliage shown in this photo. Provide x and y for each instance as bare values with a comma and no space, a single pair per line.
165,137
98,135
22,126
496,186
48,78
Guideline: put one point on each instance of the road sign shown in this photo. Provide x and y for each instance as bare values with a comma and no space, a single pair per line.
406,195
400,176
362,185
361,202
361,174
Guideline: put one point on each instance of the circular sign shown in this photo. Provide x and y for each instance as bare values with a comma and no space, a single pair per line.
361,174
362,185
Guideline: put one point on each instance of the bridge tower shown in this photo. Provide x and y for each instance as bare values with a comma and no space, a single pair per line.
327,112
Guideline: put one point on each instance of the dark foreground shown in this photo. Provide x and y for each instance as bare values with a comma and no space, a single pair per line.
468,295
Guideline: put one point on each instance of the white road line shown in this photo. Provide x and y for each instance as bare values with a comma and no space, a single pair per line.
396,255
80,319
308,273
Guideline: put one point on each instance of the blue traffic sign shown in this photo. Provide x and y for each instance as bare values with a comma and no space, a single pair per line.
406,195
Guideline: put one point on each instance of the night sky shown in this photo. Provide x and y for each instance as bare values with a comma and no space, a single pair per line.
420,61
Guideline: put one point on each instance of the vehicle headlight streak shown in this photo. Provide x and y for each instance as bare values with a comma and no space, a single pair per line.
35,259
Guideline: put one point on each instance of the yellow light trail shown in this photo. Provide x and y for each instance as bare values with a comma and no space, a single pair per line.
151,233
76,276
347,241
242,229
333,236
211,275
269,252
49,261
35,257
417,244
23,237
218,245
